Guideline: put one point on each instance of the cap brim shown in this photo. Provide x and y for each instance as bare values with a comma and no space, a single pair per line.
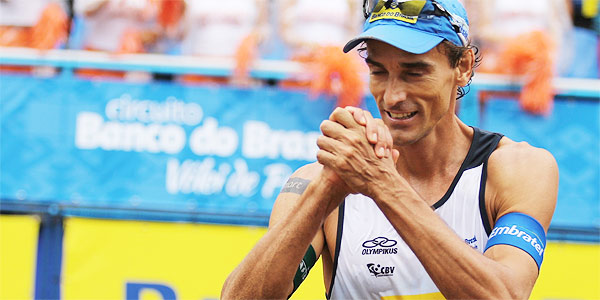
407,39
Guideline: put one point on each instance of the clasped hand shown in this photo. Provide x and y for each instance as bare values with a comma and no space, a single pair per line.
356,151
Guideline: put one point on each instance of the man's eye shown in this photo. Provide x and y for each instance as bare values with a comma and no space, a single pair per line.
414,74
377,72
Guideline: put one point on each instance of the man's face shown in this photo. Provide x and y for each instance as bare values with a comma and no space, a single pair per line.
413,91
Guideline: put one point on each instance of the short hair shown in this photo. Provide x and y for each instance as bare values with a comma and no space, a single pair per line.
454,54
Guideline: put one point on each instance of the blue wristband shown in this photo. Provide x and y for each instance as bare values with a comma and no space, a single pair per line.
521,231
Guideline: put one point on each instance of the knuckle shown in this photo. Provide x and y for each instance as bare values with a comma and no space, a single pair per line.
321,156
337,111
346,152
353,139
321,141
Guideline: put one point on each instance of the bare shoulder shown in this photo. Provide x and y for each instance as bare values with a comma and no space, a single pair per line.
523,178
520,156
308,171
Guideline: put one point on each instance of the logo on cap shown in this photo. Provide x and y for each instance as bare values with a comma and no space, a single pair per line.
402,10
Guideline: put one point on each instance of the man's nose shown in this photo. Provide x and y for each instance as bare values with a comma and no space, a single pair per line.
395,92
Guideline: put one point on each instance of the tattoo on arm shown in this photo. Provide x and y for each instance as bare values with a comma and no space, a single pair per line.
295,185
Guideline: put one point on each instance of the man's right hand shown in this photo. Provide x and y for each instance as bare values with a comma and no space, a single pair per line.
376,132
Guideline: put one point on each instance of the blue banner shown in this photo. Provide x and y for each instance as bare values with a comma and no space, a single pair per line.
159,147
572,134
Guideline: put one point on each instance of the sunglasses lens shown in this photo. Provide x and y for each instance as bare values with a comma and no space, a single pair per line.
407,7
412,8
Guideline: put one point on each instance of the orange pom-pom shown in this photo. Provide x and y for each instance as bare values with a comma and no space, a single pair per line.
170,12
336,73
331,72
245,54
131,42
12,36
51,29
531,55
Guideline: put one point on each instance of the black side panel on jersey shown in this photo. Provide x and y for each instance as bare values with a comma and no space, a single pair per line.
338,246
490,142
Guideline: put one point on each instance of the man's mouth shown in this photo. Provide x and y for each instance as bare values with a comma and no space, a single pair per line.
401,116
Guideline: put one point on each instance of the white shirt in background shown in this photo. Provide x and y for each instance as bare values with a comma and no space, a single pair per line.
216,28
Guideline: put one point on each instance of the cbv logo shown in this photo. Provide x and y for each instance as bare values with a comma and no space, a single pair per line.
378,271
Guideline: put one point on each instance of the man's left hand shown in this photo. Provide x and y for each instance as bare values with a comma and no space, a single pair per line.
344,148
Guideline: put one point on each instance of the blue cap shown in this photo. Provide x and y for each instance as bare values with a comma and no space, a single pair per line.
415,26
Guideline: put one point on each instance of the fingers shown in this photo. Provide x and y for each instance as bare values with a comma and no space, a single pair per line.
375,130
325,158
328,144
359,115
395,155
389,141
372,129
332,129
384,141
344,117
364,118
380,149
327,154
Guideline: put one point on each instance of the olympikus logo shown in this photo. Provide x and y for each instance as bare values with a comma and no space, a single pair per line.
379,245
380,251
539,248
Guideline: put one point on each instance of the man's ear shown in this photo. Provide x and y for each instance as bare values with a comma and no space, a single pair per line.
465,67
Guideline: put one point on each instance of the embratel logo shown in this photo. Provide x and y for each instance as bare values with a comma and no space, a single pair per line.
378,271
534,241
379,245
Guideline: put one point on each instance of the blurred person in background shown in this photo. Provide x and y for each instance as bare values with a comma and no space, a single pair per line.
167,31
125,27
39,24
224,29
314,32
586,33
529,38
309,24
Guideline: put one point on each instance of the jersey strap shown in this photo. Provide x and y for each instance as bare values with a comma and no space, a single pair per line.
521,231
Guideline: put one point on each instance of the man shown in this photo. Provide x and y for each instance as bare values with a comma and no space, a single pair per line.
451,211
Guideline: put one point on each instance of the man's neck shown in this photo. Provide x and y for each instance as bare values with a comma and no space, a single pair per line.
443,150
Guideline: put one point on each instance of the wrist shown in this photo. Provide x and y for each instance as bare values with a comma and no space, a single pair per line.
399,190
332,184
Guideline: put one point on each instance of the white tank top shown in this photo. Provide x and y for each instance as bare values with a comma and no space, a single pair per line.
371,259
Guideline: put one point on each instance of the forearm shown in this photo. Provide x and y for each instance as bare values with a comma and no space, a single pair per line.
458,271
268,270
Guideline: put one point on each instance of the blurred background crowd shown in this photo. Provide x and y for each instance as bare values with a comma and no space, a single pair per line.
117,114
537,39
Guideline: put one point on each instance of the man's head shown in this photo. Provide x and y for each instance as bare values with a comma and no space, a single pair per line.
419,58
415,26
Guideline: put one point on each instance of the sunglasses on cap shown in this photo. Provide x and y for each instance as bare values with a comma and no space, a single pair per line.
412,8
